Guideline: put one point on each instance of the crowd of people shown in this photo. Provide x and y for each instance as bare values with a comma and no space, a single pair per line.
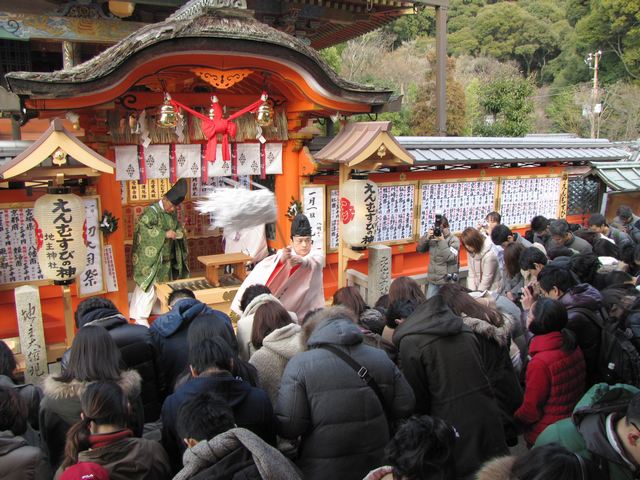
538,348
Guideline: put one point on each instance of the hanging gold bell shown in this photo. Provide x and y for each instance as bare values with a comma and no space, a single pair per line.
167,117
264,113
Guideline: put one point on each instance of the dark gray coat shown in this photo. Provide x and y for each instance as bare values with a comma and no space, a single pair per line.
340,419
442,360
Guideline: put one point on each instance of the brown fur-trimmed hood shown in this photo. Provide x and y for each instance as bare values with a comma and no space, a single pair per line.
497,469
500,335
322,315
130,382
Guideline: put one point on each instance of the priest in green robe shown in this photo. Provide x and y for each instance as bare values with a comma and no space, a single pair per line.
159,251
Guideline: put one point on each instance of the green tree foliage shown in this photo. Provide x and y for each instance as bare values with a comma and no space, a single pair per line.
423,118
331,55
529,32
612,26
565,113
507,103
409,27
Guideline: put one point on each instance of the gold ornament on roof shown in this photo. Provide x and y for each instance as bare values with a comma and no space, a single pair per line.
265,113
167,117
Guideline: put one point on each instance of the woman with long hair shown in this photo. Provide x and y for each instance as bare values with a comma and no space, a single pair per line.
513,281
493,331
94,357
102,436
368,319
406,288
556,373
484,271
276,339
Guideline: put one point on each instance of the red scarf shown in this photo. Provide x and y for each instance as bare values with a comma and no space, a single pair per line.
104,439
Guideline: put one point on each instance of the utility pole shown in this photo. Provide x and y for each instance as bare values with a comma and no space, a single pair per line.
593,60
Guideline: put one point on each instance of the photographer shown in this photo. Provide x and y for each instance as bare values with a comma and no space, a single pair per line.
443,248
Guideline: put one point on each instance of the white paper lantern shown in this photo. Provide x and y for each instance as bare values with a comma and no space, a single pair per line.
61,236
359,212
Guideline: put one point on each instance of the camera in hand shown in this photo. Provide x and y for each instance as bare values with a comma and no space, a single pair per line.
437,226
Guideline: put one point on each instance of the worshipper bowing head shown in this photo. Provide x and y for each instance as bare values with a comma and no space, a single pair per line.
218,449
268,317
94,357
493,219
18,459
211,363
102,436
550,461
540,225
405,288
399,311
421,449
8,364
252,292
203,417
533,260
344,427
136,347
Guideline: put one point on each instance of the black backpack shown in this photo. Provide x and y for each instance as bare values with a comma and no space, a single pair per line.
616,347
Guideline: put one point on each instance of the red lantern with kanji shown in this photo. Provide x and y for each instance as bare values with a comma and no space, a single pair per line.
60,224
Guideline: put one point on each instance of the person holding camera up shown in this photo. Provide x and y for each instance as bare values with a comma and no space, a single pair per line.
443,248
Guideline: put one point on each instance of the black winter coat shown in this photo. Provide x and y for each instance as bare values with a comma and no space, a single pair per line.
584,296
493,343
169,333
251,407
138,353
440,357
339,417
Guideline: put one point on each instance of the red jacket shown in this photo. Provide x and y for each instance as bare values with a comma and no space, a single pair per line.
555,382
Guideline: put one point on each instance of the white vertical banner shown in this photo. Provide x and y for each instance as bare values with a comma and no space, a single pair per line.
127,166
91,281
109,268
313,207
156,160
273,158
248,158
219,168
31,330
188,161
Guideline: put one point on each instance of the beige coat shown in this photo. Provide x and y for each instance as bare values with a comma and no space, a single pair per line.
277,349
484,273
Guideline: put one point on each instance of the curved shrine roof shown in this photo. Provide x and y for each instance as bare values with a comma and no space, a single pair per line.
222,32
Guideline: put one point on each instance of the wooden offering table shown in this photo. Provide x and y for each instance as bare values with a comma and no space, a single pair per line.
217,288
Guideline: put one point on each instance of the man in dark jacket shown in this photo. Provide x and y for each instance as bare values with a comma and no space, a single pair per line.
136,347
219,450
169,332
604,430
563,237
210,362
598,223
582,301
440,357
323,399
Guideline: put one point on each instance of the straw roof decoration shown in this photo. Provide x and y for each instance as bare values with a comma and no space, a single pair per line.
120,131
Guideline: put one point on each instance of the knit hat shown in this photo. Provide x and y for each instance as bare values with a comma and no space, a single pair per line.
177,193
85,471
300,227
